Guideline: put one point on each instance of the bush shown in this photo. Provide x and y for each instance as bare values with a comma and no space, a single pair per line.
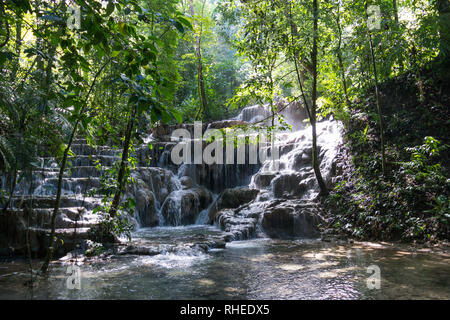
411,204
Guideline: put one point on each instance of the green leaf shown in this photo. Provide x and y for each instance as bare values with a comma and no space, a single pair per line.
178,25
185,22
115,53
176,115
109,8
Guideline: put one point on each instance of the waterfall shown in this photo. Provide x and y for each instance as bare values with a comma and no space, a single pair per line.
196,189
244,200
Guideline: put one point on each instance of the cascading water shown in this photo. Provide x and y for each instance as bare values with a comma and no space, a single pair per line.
241,199
260,199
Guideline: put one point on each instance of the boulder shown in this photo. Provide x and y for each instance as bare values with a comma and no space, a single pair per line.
230,199
146,208
239,226
301,160
292,218
288,186
262,180
186,182
183,206
204,196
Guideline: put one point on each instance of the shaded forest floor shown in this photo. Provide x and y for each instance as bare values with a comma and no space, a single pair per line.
411,202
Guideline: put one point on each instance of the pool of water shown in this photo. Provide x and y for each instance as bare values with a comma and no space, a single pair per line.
253,269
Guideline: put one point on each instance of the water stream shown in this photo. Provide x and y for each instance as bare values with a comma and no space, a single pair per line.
251,269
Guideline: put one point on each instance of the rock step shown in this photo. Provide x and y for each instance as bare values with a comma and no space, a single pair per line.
70,186
67,217
80,161
84,171
85,149
68,239
49,202
72,172
238,226
88,160
82,233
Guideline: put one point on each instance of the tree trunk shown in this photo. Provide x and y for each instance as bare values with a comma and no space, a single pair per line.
201,82
12,187
121,175
311,111
18,45
29,211
315,154
443,9
52,239
377,97
339,56
394,4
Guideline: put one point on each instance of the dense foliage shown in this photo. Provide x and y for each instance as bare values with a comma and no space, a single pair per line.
412,202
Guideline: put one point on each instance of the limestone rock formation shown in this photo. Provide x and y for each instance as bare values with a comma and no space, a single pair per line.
230,199
183,206
291,218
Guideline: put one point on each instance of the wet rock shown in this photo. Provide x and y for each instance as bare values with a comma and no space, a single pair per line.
301,160
140,250
218,177
204,196
291,218
240,223
146,208
240,226
231,198
293,112
180,208
158,180
288,186
183,206
226,124
186,182
262,180
206,245
218,244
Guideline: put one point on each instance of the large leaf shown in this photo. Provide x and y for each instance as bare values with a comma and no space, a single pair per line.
110,8
185,22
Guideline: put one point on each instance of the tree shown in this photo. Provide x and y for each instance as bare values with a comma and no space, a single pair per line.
337,18
294,49
315,153
201,81
377,98
443,9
